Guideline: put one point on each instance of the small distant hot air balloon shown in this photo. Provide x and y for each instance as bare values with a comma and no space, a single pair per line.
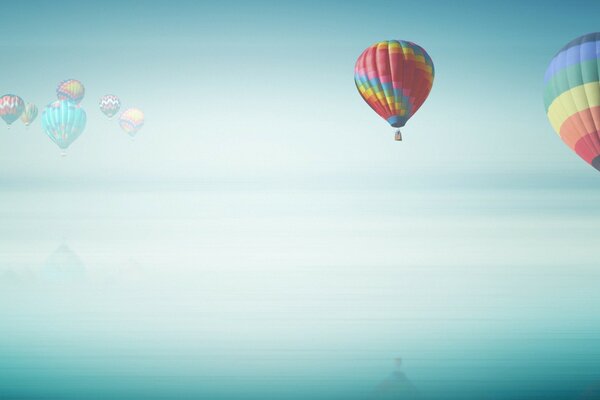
110,105
63,122
29,114
131,121
11,108
70,89
394,77
572,96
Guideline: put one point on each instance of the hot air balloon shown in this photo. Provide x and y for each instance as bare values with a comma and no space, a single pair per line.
394,77
63,121
70,89
110,105
131,121
11,108
29,114
572,96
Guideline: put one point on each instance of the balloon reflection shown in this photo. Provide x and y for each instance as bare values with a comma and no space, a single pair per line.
396,385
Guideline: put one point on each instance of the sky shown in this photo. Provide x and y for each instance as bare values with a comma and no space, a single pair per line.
264,236
264,91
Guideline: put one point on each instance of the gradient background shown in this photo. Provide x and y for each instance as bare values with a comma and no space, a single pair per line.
265,237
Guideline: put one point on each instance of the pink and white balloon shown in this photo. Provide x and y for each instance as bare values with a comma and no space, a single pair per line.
11,108
110,105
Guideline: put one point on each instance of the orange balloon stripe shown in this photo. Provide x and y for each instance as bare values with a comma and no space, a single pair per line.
579,125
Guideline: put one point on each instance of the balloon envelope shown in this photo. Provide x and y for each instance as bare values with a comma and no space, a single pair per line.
63,122
11,108
70,89
394,77
29,114
110,105
131,121
572,96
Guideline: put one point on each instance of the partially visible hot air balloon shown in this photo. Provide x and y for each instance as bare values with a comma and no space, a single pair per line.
572,96
70,89
110,105
29,114
11,108
131,121
394,77
63,121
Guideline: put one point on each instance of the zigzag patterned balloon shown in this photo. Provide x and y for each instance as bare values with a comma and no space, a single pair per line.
71,90
11,108
110,105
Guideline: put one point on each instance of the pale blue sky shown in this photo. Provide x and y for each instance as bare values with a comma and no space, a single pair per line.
265,90
253,286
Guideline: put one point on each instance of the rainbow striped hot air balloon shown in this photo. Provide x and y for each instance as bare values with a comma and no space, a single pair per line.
394,77
572,96
70,89
131,121
11,108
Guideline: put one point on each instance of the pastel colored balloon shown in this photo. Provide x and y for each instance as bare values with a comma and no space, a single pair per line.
11,108
572,96
29,114
131,121
70,89
110,105
63,122
394,77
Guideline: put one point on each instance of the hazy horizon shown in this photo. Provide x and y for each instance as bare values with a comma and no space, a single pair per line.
264,237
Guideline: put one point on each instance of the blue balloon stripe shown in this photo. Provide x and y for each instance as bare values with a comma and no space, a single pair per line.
571,56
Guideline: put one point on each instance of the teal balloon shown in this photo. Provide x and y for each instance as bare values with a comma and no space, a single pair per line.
63,122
